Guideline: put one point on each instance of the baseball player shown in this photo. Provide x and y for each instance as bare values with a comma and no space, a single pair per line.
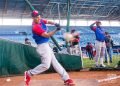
41,37
74,43
99,43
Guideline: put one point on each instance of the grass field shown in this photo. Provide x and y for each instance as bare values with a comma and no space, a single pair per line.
90,63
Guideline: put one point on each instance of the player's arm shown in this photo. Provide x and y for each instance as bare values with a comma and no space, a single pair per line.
39,31
92,26
48,34
48,22
52,23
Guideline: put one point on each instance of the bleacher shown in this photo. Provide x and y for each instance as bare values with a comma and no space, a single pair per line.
12,33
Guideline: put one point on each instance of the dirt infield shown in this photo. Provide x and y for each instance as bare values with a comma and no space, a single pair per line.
82,78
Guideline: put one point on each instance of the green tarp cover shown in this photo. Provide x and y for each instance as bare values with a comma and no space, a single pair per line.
15,58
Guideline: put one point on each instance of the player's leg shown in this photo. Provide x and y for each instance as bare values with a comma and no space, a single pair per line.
98,50
44,52
62,72
102,54
80,51
77,49
45,62
106,56
110,53
91,55
71,50
102,57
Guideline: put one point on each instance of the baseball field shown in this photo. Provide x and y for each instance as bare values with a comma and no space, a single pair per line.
82,78
85,78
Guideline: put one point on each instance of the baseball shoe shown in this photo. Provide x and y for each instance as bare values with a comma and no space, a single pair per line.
110,61
96,66
102,65
27,78
69,82
105,62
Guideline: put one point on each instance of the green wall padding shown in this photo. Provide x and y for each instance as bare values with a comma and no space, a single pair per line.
15,58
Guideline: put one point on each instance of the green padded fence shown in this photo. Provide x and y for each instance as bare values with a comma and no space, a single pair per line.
15,58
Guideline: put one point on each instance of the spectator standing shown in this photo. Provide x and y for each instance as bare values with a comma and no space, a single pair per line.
27,41
89,50
109,44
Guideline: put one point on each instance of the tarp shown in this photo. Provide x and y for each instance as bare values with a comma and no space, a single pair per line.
15,58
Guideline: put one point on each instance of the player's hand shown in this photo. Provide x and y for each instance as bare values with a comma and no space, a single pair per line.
97,21
58,26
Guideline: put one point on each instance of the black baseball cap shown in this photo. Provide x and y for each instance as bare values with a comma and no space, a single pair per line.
35,13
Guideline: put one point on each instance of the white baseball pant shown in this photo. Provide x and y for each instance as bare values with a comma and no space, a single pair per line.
48,58
74,50
100,51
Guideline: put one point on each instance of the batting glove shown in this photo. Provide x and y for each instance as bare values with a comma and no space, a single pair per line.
58,26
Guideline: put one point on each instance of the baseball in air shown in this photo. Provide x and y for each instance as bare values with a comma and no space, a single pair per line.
68,36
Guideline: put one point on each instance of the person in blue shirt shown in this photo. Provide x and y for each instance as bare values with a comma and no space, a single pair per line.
99,43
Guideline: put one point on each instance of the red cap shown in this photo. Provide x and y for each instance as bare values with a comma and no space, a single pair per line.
35,13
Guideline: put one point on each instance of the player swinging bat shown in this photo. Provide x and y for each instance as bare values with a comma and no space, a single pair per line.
41,37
